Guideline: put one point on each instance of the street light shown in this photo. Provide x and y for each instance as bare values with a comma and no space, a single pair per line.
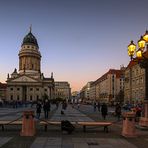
142,59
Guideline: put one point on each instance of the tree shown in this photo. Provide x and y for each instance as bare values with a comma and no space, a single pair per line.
120,96
45,97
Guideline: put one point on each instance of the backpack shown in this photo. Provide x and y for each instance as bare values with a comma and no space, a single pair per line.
62,112
67,126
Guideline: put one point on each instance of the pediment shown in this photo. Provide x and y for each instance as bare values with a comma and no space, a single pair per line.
24,79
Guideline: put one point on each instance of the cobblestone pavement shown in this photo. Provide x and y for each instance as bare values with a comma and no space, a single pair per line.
48,142
54,138
4,140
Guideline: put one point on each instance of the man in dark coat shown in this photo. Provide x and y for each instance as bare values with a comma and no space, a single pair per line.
46,108
104,110
38,109
118,111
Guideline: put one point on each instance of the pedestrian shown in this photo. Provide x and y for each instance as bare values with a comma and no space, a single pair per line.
98,106
104,110
64,105
46,107
138,113
95,105
38,109
57,104
118,111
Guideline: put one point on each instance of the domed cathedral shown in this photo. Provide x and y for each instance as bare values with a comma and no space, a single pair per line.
28,83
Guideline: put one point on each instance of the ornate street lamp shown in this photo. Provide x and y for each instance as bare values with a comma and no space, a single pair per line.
142,59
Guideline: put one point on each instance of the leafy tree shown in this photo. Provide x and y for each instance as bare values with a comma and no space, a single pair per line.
120,96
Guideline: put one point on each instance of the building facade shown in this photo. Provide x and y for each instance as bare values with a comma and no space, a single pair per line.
28,83
62,90
75,97
85,92
109,87
3,90
134,89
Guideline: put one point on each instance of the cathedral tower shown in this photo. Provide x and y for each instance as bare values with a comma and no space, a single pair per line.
29,56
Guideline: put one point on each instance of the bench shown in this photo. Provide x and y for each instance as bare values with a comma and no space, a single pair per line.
46,123
4,123
104,124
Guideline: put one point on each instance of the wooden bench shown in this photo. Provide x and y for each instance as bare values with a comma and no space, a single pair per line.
46,123
104,124
4,123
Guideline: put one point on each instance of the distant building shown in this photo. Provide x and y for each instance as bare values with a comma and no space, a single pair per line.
92,91
75,98
28,83
109,87
85,92
62,90
3,89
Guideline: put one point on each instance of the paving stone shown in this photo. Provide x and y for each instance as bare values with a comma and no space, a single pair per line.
81,145
67,146
78,140
4,140
52,146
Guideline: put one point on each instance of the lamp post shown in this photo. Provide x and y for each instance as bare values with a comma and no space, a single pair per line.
142,59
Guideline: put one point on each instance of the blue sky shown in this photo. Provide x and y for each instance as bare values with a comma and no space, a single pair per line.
79,40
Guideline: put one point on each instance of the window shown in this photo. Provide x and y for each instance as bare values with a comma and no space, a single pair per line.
31,89
18,97
11,88
11,97
18,88
37,89
28,46
30,97
45,89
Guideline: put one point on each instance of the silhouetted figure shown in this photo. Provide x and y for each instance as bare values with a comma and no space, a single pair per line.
38,109
98,106
46,107
64,105
104,110
118,111
57,104
95,105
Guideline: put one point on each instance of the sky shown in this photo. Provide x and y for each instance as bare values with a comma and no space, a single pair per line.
79,40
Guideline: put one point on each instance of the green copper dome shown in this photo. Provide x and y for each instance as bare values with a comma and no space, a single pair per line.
30,39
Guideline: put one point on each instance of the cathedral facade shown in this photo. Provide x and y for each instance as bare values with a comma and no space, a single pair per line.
28,83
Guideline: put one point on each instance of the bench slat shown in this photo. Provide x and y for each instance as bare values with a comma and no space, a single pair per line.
8,122
95,123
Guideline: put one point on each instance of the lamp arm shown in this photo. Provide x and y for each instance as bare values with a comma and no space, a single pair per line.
145,58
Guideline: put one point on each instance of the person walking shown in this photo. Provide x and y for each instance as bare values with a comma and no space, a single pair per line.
104,110
95,105
98,106
38,109
46,108
118,111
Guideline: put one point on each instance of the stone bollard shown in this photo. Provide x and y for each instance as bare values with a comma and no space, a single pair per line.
129,129
144,120
28,124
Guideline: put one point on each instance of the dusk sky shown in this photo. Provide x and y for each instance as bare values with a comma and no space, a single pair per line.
79,40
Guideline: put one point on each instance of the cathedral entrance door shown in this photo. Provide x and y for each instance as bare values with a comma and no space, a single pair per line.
24,94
